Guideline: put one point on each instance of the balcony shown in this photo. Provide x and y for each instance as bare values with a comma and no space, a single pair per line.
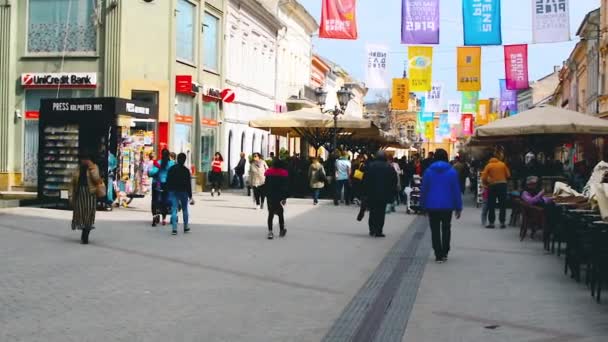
306,98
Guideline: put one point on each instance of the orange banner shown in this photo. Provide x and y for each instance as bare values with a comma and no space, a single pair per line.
469,68
401,94
483,112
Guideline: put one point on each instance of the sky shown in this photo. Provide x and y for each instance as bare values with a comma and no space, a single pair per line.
379,22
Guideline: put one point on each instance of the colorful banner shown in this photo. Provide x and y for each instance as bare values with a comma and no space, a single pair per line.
420,22
401,94
422,106
469,68
377,71
481,19
516,66
454,112
420,67
444,125
338,19
427,116
420,124
469,102
550,21
483,112
508,99
492,117
434,99
467,124
429,131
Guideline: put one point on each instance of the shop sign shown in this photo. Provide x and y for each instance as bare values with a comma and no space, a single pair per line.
135,109
183,84
228,95
208,122
213,93
63,80
183,119
32,115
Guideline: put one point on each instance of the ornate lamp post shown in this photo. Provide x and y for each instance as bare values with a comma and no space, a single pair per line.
344,97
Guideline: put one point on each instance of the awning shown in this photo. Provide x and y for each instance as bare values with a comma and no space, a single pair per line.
544,120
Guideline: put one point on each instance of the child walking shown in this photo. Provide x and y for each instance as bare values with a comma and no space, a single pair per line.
277,191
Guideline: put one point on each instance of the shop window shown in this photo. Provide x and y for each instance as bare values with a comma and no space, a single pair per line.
147,96
211,42
211,110
56,26
185,18
182,141
207,148
184,105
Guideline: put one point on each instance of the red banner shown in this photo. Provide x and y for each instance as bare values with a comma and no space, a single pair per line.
467,124
516,66
183,84
338,19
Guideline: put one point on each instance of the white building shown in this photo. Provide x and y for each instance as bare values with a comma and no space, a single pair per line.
250,55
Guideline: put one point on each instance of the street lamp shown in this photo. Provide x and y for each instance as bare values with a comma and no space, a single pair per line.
344,97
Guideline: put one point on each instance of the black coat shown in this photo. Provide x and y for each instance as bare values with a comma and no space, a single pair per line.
277,184
379,182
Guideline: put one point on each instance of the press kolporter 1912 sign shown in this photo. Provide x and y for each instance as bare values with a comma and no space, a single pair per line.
63,80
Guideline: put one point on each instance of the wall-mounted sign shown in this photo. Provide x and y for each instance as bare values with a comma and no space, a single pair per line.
228,95
213,93
61,80
208,122
32,115
183,84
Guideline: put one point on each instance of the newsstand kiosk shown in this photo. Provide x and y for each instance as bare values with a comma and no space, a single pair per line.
103,126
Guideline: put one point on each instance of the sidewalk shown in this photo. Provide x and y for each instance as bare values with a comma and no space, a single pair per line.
222,282
496,288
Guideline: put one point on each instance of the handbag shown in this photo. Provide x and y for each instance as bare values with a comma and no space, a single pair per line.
321,176
358,175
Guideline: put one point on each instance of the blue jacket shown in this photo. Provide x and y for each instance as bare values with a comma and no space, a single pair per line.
160,174
441,188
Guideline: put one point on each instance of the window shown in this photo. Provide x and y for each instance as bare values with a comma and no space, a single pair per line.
184,105
411,130
185,30
211,42
210,110
147,96
55,26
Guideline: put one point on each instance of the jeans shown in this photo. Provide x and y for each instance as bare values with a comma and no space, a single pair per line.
316,193
497,192
241,181
342,184
441,222
275,208
484,212
178,198
258,194
377,214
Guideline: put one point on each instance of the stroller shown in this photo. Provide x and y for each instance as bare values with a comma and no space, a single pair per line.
412,194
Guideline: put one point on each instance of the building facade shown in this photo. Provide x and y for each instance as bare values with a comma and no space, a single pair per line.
251,68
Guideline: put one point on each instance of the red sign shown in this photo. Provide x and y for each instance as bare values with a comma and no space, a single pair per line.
183,84
208,122
338,19
516,66
32,115
467,124
228,95
59,80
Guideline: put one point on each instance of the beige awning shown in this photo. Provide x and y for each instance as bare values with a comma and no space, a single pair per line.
290,122
542,120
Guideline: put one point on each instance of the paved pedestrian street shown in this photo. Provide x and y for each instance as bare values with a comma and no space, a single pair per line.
327,280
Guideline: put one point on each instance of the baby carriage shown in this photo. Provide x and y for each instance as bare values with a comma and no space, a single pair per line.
413,195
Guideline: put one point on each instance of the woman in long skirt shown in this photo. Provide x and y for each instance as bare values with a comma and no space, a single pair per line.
84,187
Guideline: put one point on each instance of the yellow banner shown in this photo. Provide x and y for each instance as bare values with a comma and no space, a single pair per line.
401,94
420,68
429,130
469,68
483,113
492,117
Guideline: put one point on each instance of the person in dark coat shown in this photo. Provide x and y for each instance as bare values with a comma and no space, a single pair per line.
441,197
179,186
428,162
379,183
239,171
277,191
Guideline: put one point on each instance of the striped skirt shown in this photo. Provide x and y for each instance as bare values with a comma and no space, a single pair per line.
85,205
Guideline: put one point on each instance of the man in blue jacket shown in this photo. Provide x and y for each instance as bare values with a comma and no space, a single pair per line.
441,197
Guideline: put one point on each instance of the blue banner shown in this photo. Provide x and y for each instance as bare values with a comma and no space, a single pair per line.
427,116
444,125
481,20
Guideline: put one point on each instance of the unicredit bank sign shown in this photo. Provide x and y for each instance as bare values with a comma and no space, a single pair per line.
61,80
